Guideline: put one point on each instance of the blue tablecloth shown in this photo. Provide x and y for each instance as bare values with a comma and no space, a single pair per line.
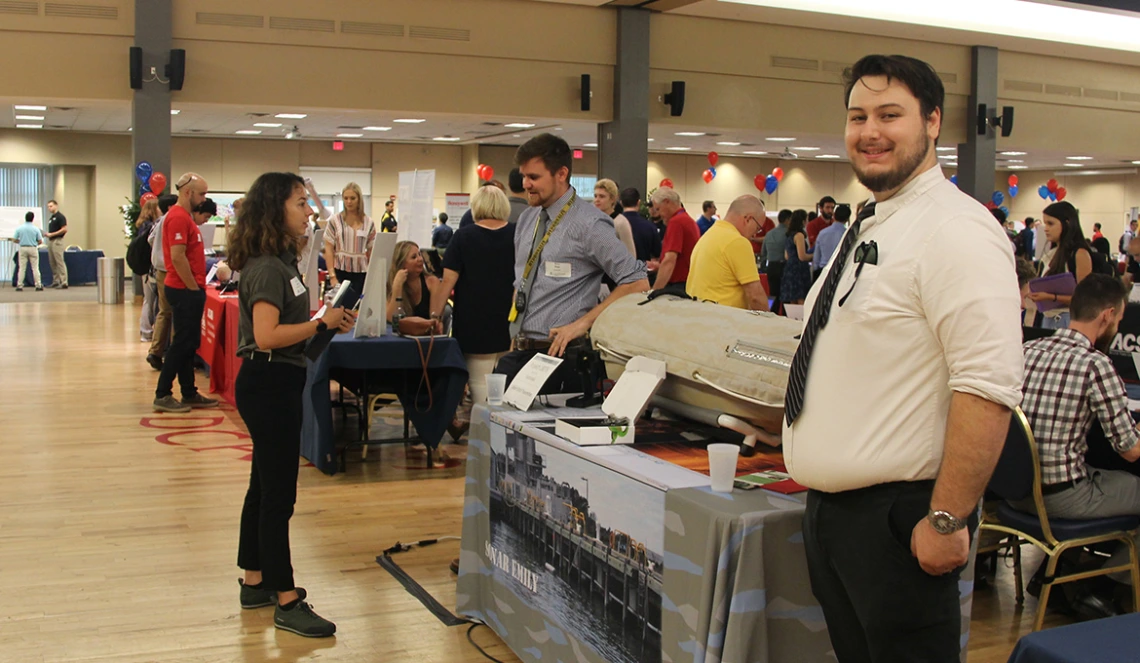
1112,640
393,365
81,267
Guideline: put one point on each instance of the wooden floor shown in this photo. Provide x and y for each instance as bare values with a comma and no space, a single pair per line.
118,527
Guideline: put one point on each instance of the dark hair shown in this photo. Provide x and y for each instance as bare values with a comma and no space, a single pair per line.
783,215
1029,221
1026,272
1072,237
53,201
1096,293
260,230
515,181
842,213
29,217
1096,226
553,151
918,77
443,217
630,198
799,220
389,202
706,205
207,206
812,215
166,201
999,215
825,200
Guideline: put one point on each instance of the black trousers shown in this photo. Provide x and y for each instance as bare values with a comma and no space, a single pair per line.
186,308
775,280
879,604
566,379
268,398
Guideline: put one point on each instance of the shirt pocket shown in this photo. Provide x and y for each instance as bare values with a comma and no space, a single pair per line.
859,291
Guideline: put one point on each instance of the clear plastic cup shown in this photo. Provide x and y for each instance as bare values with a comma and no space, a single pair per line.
722,466
496,387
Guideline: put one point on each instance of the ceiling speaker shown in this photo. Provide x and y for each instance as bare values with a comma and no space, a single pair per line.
676,98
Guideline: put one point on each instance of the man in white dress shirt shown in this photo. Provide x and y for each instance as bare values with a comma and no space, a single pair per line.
902,387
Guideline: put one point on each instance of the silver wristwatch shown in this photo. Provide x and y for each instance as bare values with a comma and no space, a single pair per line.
945,523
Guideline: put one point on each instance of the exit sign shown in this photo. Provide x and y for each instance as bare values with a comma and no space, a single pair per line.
577,154
338,146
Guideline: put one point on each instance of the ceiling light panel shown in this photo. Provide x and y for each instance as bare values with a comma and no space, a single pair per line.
30,108
291,116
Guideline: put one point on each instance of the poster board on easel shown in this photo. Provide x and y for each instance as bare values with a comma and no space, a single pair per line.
414,197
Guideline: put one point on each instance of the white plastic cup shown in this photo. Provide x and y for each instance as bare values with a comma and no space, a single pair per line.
496,386
722,466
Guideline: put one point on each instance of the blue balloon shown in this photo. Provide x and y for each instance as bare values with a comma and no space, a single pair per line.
998,197
1052,196
713,171
1005,210
770,184
143,171
144,188
1043,191
954,179
1013,191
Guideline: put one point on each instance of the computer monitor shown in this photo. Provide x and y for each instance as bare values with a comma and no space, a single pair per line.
372,318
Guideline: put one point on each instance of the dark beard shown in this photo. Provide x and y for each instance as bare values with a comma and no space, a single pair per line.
1104,341
894,178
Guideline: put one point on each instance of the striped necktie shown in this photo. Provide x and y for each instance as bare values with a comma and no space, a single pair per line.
820,314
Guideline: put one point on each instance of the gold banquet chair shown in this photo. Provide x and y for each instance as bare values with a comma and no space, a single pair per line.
1017,477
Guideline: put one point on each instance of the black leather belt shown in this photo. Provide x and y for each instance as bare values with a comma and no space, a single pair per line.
258,355
1054,488
527,344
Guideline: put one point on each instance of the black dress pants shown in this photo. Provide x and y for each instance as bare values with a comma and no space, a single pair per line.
268,398
879,604
775,280
186,308
566,379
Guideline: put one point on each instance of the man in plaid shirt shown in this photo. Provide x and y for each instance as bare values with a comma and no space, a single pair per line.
1069,381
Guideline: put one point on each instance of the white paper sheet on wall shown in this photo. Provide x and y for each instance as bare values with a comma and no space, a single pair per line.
414,206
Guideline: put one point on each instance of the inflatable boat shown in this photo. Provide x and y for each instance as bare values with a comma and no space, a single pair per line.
726,366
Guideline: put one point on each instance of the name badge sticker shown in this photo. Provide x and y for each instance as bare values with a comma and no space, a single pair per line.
298,287
558,270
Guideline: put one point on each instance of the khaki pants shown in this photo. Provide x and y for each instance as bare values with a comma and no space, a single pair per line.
55,257
478,368
29,255
161,337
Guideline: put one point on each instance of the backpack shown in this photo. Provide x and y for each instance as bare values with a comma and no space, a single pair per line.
138,251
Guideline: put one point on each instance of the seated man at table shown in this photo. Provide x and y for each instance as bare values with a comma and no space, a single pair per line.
723,268
563,247
1069,383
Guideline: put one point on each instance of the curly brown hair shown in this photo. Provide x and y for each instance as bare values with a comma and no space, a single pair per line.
260,230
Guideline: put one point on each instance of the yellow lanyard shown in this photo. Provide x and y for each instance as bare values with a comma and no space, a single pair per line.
537,250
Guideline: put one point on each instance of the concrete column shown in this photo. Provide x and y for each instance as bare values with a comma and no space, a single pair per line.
977,157
622,143
150,106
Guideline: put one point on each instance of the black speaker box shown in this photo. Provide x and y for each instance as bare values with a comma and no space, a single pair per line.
136,68
586,94
676,98
1006,121
176,70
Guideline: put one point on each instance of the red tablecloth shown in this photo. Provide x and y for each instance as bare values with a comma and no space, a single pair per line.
219,342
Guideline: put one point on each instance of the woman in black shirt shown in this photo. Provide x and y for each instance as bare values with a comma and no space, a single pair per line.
480,266
272,329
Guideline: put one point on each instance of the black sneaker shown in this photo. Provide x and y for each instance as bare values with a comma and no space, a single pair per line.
198,401
155,361
303,621
39,288
256,597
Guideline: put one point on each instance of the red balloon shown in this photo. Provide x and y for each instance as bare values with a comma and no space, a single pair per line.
1052,185
157,183
1061,193
778,173
1013,180
488,173
713,158
707,176
760,181
146,197
667,183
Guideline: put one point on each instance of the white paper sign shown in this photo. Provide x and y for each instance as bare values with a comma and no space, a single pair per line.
526,385
456,205
212,273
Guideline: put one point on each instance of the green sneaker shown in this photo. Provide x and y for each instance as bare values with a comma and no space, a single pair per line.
303,621
170,404
256,597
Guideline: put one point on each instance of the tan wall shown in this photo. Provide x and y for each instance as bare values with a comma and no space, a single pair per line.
1099,199
389,159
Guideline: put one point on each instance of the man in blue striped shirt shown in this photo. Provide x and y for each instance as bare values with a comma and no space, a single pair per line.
29,238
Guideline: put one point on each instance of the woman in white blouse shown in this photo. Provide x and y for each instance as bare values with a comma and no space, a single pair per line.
348,239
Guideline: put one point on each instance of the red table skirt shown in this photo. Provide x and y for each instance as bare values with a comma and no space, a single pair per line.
219,342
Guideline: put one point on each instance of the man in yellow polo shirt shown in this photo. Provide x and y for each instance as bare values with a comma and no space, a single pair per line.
723,266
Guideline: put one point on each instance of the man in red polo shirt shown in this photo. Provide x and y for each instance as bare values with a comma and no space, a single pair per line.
826,214
185,285
681,235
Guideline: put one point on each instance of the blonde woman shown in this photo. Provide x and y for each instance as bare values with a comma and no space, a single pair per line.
148,215
479,266
606,199
410,287
348,239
